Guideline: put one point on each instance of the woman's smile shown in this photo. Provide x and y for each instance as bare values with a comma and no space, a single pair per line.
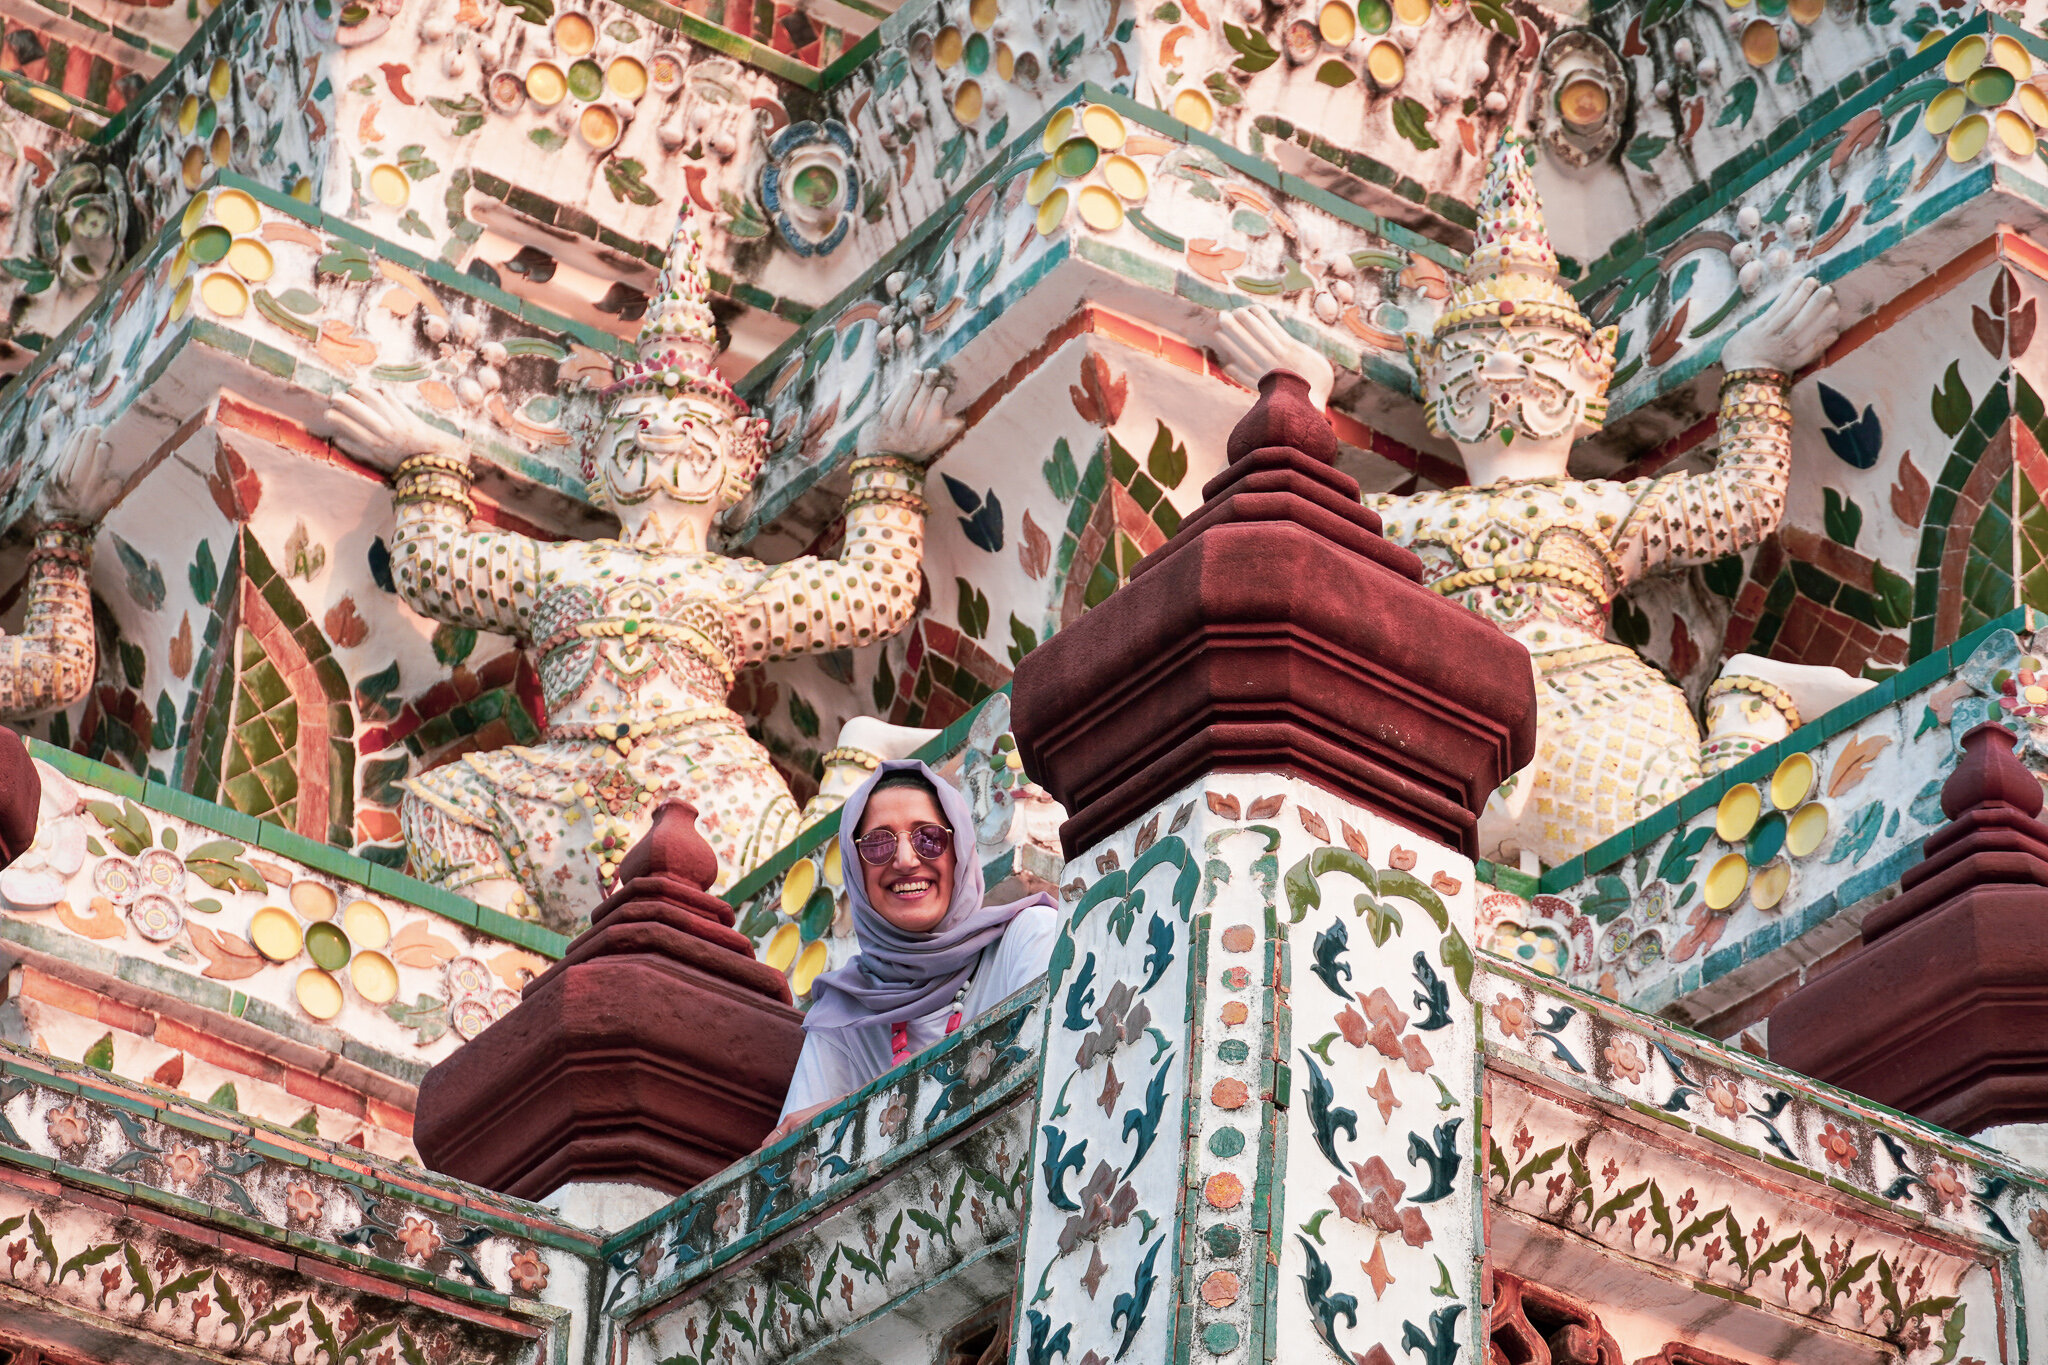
911,892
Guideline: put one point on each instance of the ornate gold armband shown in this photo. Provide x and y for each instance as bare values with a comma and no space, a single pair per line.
912,471
1757,687
434,478
1778,379
895,497
859,758
433,462
63,538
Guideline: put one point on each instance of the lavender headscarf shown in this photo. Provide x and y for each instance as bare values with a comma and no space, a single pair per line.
900,975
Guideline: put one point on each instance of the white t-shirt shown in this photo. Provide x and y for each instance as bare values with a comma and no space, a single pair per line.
839,1061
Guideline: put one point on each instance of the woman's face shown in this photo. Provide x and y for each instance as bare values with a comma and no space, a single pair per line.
910,892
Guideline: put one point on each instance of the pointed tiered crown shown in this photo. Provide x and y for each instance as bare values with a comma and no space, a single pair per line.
678,343
678,358
1513,274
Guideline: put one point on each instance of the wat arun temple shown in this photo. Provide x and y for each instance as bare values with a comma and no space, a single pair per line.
1484,561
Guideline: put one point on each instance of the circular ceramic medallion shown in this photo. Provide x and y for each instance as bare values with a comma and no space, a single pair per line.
117,879
156,917
1059,127
313,900
319,993
1103,126
1808,829
1967,138
367,925
389,185
1100,209
1726,881
797,885
1792,782
236,212
1127,178
1386,64
1770,885
162,871
327,945
782,947
468,976
1736,816
808,964
276,934
251,260
470,1016
374,977
1052,212
1965,57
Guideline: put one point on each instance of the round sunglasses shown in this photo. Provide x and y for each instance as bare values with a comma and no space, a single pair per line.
926,841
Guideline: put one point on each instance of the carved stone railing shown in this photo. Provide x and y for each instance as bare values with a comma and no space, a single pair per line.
1619,1148
195,1228
916,1177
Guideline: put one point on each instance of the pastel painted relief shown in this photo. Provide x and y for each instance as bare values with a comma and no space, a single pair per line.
1478,566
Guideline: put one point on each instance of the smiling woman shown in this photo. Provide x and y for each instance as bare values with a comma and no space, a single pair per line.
932,955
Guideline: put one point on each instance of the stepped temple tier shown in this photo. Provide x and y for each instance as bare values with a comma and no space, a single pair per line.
1023,682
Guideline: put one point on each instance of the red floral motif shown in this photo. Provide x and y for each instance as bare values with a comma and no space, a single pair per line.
726,1221
1945,1183
2037,1228
69,1129
183,1165
419,1236
1837,1145
302,1203
1621,1054
529,1272
1512,1016
1721,1094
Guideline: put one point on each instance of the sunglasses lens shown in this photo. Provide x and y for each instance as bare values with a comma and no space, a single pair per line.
877,848
929,841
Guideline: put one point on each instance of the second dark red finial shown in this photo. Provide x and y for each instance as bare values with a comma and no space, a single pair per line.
1284,416
1989,774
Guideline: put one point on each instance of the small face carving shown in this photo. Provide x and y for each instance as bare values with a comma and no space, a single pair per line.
676,446
1533,382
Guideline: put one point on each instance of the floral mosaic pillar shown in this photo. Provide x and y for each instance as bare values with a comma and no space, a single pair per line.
1259,1088
1259,1093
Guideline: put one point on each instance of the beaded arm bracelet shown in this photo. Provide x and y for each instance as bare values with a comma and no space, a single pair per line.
1760,374
434,478
887,478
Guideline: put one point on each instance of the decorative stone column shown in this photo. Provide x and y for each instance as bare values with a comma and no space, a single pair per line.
656,1052
1944,1011
1258,1108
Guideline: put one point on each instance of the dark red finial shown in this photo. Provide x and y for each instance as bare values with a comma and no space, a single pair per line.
1990,774
672,848
1283,416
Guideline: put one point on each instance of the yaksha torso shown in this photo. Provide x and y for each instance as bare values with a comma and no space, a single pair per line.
1535,558
624,636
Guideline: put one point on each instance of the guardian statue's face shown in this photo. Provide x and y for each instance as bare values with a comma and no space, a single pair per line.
1535,383
656,446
